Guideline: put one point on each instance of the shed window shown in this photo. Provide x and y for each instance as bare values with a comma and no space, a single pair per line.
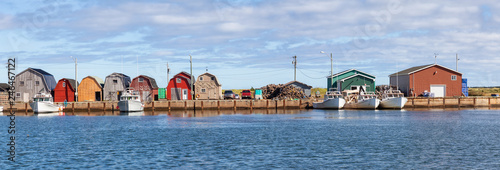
178,80
203,90
18,94
37,83
141,79
21,83
115,81
213,78
201,78
64,84
453,77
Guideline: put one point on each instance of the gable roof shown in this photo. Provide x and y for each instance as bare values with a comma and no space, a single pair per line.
71,82
298,82
4,87
346,71
49,80
211,75
357,75
419,68
125,78
151,80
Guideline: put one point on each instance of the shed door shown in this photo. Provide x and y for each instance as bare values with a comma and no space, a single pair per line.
145,95
184,94
438,90
175,94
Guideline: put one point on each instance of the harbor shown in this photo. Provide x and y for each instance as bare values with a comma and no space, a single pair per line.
419,102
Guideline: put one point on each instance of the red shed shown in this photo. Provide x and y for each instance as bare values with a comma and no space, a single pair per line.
179,87
65,90
436,79
146,86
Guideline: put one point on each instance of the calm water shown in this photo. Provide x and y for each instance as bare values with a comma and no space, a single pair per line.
304,140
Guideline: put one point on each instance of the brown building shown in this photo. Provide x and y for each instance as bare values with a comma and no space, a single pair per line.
436,79
90,89
208,87
146,86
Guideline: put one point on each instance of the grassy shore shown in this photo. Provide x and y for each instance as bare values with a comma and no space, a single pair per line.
483,91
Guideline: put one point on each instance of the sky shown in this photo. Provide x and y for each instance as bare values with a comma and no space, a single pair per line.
251,43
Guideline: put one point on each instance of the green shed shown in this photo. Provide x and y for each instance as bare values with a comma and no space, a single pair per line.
351,80
161,93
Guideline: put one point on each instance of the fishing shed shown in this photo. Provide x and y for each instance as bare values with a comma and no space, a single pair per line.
32,81
146,86
436,79
351,80
90,89
65,90
179,87
115,85
305,88
208,87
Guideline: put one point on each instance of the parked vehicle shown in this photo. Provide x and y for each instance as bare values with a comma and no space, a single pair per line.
246,94
236,96
229,94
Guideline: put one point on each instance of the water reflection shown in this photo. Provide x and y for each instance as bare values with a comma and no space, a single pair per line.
173,113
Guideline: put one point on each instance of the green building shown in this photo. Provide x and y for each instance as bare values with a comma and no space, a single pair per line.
351,80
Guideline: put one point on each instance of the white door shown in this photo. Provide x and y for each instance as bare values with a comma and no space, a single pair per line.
26,97
438,90
184,94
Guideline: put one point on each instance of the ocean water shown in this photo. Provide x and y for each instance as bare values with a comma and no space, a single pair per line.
308,139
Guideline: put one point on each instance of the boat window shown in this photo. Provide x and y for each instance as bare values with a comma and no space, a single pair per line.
46,99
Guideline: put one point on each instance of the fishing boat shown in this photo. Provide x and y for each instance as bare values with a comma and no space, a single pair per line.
130,102
43,103
393,99
361,100
333,100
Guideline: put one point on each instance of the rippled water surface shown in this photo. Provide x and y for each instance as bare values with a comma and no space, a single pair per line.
292,139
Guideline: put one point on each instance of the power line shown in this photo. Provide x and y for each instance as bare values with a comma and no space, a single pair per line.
310,76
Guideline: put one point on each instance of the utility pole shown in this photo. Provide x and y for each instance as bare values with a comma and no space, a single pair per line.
76,77
168,73
294,62
457,63
191,78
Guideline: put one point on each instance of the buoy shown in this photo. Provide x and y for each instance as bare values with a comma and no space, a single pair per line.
198,96
28,135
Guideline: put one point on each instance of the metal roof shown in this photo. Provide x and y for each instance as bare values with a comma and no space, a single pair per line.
343,72
289,83
419,68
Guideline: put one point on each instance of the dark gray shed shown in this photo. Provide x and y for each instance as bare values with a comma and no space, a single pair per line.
306,88
32,81
115,85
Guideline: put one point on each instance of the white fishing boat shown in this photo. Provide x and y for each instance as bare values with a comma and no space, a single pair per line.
365,100
130,102
333,100
43,103
393,99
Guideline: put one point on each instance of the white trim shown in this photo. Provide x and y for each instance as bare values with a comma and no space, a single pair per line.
348,71
433,66
455,77
355,76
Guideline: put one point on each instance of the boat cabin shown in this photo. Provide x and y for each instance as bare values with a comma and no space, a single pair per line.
42,98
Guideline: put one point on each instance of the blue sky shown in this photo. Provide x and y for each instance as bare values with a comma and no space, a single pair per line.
250,43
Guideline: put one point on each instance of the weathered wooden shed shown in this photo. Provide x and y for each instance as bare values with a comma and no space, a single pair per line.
179,87
306,88
32,81
351,80
438,80
208,87
115,85
65,90
146,86
90,89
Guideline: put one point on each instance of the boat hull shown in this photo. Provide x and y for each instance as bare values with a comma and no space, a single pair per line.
393,103
44,107
337,103
364,104
130,106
